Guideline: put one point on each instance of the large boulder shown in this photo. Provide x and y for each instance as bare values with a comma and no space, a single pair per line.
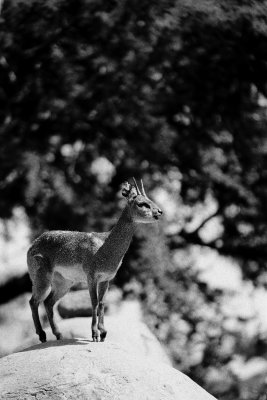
81,369
75,304
14,242
125,327
16,324
78,303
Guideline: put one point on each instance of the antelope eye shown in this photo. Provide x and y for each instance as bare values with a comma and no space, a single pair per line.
143,205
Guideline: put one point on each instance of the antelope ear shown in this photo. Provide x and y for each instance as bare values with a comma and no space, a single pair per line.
128,191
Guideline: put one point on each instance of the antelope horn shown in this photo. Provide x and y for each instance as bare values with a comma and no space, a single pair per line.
136,187
143,189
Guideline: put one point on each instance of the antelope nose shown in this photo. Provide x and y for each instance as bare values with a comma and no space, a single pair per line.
157,212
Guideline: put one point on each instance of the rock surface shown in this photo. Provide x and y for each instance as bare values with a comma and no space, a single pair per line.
75,304
125,327
14,242
80,369
78,303
15,324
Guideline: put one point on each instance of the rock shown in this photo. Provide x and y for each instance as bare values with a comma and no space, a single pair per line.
78,303
75,304
14,242
16,323
80,369
138,337
126,328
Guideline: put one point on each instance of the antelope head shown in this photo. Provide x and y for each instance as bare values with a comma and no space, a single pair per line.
143,210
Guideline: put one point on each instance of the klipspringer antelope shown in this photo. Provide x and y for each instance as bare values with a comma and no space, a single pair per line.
59,259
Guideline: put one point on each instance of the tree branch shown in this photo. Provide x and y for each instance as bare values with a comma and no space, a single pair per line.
243,251
207,219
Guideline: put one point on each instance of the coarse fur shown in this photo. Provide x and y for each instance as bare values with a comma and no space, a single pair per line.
59,259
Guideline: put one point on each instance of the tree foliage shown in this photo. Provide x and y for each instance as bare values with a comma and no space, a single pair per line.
150,86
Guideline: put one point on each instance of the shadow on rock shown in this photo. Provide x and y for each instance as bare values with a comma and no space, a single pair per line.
58,343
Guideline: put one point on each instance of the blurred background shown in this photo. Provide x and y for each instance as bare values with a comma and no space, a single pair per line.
93,92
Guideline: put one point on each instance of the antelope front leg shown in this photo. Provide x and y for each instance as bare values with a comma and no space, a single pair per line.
94,299
103,287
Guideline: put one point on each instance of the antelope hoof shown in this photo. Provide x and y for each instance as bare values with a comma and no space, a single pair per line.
103,336
42,337
95,337
59,336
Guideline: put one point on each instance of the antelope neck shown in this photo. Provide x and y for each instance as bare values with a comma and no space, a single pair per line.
117,243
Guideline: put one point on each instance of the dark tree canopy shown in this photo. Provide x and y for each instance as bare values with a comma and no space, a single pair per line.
149,86
156,89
